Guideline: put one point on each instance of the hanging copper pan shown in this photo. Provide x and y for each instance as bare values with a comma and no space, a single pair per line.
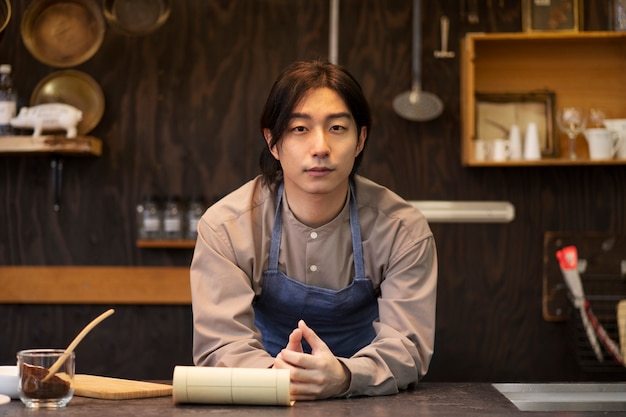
76,89
136,17
5,13
63,33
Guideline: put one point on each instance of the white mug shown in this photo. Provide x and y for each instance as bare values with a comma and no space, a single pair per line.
515,142
619,127
481,150
603,143
531,142
500,150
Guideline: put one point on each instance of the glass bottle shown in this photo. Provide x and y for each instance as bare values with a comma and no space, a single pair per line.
8,100
172,219
149,219
618,15
195,210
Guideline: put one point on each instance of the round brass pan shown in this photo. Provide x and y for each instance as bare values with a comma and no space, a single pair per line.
5,13
63,33
136,17
76,89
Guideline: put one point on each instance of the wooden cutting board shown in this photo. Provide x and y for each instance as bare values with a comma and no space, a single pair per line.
117,389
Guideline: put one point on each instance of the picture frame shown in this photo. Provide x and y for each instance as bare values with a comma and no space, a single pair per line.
551,15
496,113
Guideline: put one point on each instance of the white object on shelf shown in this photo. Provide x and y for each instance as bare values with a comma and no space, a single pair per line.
49,117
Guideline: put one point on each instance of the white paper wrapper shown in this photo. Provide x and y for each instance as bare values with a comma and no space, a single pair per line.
209,385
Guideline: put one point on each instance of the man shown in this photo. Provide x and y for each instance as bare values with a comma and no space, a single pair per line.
310,267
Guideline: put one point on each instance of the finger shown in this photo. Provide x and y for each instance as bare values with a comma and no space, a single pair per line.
303,392
293,359
295,341
316,343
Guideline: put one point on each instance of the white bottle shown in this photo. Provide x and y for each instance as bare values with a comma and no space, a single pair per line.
149,219
531,142
8,100
515,142
194,212
172,219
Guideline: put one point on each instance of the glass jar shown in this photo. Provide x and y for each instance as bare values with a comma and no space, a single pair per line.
172,219
195,210
8,100
149,219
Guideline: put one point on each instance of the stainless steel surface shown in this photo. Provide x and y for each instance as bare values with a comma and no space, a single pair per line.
333,36
466,211
415,104
565,396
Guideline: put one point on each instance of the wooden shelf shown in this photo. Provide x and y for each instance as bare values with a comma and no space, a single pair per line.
582,69
94,285
51,144
166,244
548,162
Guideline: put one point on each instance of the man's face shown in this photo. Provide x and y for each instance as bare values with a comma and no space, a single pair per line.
318,149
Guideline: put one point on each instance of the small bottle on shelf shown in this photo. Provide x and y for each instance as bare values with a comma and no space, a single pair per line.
195,210
173,219
149,219
8,100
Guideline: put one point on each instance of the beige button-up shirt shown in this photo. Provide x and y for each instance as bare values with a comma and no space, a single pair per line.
232,252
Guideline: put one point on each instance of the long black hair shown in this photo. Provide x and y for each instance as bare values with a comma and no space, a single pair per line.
289,88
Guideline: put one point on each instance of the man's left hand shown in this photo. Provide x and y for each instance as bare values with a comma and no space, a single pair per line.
313,376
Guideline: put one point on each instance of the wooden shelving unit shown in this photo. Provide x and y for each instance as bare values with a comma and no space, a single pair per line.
585,69
56,146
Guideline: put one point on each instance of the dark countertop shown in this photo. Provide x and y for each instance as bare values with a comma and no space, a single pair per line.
428,399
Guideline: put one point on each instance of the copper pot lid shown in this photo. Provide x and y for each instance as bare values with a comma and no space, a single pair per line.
63,33
76,89
136,17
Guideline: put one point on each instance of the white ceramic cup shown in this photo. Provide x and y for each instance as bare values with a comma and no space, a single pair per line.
532,150
500,150
515,142
618,126
603,143
481,150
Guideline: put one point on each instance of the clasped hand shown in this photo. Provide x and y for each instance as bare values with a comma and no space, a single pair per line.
316,375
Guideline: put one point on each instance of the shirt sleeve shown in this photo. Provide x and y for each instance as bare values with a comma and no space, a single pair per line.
222,297
401,352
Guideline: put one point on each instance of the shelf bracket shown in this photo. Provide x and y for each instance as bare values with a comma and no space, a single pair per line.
56,166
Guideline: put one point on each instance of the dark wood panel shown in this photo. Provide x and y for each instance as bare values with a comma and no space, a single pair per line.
182,108
137,342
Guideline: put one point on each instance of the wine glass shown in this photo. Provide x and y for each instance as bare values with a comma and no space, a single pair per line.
572,122
597,116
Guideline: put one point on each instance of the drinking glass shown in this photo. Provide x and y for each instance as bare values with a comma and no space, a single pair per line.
571,121
597,117
34,389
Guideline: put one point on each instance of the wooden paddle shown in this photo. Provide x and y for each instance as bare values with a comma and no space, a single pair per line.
55,367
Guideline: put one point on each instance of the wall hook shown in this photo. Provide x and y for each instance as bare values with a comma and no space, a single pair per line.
445,29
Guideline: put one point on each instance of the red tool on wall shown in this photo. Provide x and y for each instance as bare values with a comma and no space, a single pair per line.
568,261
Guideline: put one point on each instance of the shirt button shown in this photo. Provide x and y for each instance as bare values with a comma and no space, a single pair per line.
313,268
313,235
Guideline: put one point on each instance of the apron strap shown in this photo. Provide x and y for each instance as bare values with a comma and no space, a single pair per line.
276,231
355,229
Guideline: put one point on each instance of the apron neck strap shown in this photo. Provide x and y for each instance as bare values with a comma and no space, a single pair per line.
355,229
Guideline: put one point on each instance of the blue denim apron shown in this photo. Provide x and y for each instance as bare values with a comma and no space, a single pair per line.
341,318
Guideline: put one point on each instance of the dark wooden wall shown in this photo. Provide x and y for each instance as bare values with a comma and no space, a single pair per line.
182,107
